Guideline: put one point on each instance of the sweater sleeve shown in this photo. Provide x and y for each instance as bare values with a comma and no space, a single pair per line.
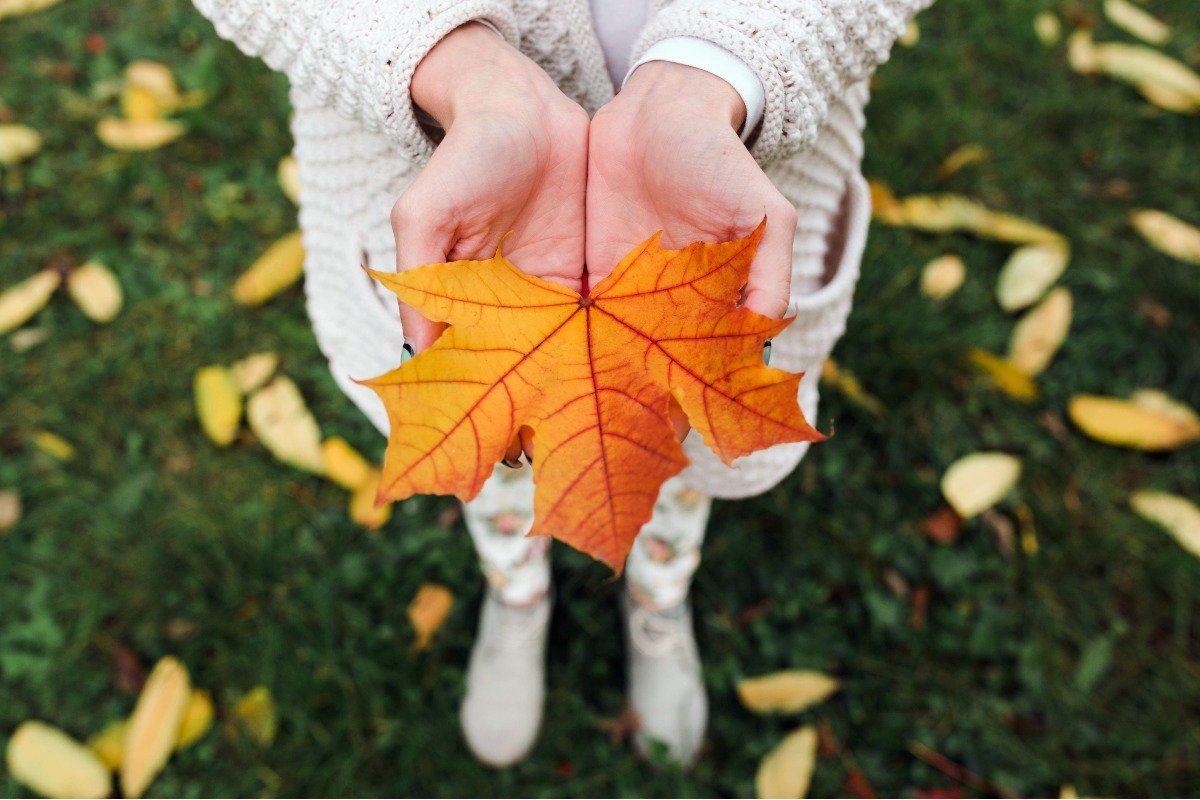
805,52
356,55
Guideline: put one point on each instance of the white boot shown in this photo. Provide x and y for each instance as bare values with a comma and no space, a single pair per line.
665,686
506,681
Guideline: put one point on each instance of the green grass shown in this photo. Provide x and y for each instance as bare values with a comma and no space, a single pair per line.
1077,664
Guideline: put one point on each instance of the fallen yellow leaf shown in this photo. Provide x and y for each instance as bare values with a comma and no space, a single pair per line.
19,303
218,403
1004,375
256,713
140,104
1162,403
976,482
787,692
1048,28
363,508
1028,273
1126,423
53,445
10,509
787,770
1168,234
1176,515
943,276
1139,66
289,178
156,79
137,135
849,386
154,725
428,612
1039,334
884,205
942,213
53,764
17,143
96,291
109,743
197,719
253,371
276,269
1136,21
344,465
282,422
965,156
911,35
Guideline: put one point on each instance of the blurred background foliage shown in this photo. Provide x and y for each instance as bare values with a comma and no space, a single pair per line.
1072,662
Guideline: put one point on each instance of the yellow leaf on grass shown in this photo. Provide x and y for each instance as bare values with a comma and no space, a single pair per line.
109,743
976,482
1004,375
53,445
19,303
1168,233
1028,273
943,213
428,611
153,725
1162,403
1126,423
943,276
289,178
140,104
364,510
965,156
276,269
96,291
787,692
136,135
17,8
1136,21
218,403
884,205
1081,52
53,764
17,143
1048,28
911,35
156,79
10,509
1176,515
282,422
1139,66
253,371
1169,99
848,385
787,770
256,713
1039,334
197,719
344,465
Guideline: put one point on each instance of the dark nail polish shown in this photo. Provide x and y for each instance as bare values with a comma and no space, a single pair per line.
407,353
767,352
512,463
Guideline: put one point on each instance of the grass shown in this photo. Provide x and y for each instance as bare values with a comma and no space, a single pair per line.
1075,664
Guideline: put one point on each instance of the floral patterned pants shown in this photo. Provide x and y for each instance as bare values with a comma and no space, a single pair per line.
660,566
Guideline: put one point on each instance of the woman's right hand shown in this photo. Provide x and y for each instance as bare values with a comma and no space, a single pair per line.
514,159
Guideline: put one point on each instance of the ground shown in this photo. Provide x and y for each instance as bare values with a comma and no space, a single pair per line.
1075,663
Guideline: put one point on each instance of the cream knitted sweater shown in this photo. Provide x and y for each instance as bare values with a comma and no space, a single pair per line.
358,144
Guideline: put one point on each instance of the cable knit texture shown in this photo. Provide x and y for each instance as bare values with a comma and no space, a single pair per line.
358,145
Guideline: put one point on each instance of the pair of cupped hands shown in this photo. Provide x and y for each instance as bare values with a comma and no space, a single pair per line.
521,158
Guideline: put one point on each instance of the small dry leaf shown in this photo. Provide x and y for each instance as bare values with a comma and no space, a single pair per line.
197,719
289,178
884,205
27,339
19,303
282,422
1139,66
139,104
1004,375
156,79
1039,334
364,510
1168,99
53,445
976,482
17,143
966,156
96,291
1067,792
1168,234
1028,273
1136,21
942,526
253,371
218,403
849,387
787,692
1176,515
154,725
911,35
1162,403
10,509
428,612
276,269
53,764
1126,423
256,713
1048,28
137,135
943,276
787,770
942,213
17,8
109,743
345,466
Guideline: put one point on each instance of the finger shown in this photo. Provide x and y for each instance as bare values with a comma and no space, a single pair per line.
416,245
768,289
526,437
512,456
679,420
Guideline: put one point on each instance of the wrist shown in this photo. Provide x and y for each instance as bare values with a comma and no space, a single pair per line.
666,85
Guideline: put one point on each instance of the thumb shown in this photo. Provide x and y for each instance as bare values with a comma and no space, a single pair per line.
768,289
416,246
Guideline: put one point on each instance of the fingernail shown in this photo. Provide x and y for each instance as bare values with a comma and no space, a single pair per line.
512,463
407,353
767,352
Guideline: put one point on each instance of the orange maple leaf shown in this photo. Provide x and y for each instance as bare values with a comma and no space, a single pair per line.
593,377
